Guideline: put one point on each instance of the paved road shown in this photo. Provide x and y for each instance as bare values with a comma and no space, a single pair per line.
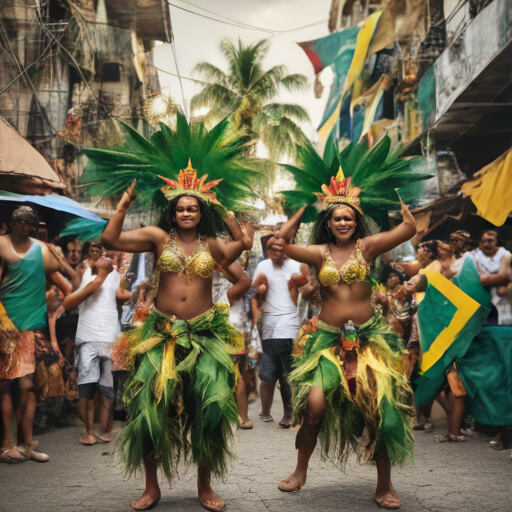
467,477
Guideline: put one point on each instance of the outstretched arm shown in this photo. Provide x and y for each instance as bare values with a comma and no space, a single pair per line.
375,245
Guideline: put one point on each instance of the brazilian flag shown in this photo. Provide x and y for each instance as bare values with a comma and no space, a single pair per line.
450,316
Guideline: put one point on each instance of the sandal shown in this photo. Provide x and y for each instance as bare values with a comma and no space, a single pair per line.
284,424
266,419
428,427
31,454
451,438
246,425
11,455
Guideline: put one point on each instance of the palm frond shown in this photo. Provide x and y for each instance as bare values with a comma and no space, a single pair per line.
210,72
215,94
277,110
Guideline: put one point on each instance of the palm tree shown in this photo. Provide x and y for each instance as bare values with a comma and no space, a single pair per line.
247,94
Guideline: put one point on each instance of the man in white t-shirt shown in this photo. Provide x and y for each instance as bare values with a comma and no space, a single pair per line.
98,330
280,326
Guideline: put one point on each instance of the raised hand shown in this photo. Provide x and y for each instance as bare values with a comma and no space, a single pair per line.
248,236
289,228
407,215
128,198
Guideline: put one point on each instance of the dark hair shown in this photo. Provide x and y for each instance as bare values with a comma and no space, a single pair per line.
321,232
387,271
210,224
431,245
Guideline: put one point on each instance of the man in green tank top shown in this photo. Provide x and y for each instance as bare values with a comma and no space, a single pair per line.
24,263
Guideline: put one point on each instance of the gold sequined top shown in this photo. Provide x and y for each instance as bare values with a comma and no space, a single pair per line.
199,263
355,269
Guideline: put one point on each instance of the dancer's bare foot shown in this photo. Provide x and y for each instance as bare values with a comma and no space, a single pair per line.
386,497
210,500
293,483
147,501
88,440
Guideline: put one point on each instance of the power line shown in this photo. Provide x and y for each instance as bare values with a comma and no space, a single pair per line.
173,46
174,74
239,24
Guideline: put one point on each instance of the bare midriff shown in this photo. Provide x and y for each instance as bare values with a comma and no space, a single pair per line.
186,301
342,302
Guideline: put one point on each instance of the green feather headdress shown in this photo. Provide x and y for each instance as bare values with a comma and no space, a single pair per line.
218,153
366,178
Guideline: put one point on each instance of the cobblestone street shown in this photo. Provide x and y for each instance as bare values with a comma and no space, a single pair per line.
467,477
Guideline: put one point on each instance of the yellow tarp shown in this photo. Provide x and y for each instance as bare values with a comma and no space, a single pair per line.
491,191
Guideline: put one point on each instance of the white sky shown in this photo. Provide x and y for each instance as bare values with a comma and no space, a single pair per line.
197,39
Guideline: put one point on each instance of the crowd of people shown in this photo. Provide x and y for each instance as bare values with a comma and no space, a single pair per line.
137,324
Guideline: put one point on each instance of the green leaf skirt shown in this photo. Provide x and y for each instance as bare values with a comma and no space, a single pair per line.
382,398
179,393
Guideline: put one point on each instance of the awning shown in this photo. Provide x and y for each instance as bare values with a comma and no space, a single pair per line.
22,168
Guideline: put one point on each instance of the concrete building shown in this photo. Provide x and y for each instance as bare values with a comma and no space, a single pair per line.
67,66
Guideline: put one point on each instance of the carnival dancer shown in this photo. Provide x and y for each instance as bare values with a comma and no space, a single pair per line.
180,390
352,371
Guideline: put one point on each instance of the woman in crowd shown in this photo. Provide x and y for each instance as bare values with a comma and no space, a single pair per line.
352,371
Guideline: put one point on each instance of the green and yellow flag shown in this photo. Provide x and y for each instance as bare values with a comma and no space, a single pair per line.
449,317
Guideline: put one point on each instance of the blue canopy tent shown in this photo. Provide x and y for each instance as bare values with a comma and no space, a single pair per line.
62,215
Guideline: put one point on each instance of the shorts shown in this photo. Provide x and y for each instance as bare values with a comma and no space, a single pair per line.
94,361
276,360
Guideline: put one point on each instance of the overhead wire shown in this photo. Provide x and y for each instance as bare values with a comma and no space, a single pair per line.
173,47
239,24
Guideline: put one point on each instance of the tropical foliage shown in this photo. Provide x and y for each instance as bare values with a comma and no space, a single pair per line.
247,93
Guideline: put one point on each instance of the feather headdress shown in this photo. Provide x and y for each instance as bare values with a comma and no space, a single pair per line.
366,178
168,155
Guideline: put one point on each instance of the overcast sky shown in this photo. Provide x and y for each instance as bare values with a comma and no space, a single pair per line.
197,39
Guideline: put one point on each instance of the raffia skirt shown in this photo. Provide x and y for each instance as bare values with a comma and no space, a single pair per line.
365,386
179,393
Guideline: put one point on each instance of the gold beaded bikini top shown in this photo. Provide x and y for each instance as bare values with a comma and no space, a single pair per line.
199,263
354,270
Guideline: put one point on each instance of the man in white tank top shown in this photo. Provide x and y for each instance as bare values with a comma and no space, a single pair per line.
98,330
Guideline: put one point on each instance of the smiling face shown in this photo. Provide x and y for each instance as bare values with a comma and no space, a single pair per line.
343,223
188,213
